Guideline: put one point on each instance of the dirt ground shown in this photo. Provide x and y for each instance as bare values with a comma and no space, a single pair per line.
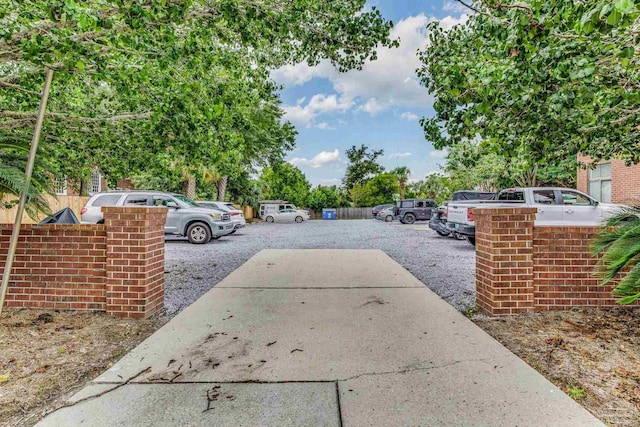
593,355
48,355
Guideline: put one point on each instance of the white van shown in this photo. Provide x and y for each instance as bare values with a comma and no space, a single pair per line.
273,206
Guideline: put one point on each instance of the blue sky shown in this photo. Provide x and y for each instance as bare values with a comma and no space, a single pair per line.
379,106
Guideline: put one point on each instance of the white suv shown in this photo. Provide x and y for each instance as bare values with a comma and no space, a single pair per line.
184,218
237,216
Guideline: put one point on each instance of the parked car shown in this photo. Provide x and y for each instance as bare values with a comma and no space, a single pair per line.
288,215
438,221
237,216
556,206
376,210
387,214
409,211
184,218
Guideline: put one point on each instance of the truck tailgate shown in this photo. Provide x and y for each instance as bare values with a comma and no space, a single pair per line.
458,214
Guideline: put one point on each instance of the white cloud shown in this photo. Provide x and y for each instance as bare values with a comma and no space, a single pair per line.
408,115
323,126
455,7
389,81
439,154
399,155
449,22
331,181
372,107
323,158
318,104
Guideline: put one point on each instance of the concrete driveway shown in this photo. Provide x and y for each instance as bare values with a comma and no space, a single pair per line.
321,338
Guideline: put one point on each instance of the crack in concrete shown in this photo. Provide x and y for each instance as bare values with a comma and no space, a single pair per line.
334,380
417,369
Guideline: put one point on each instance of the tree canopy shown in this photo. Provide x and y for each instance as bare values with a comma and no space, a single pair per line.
542,80
171,86
362,165
284,181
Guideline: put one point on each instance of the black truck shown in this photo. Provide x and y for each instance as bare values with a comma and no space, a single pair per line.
438,221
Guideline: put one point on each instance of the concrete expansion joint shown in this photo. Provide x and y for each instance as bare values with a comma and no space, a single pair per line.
325,288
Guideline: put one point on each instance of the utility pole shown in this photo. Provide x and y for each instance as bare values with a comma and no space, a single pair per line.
13,243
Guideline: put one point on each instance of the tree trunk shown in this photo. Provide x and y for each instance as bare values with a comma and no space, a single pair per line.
402,190
222,188
189,187
84,187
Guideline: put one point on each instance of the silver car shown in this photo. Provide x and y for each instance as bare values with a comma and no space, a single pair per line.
237,216
184,218
288,215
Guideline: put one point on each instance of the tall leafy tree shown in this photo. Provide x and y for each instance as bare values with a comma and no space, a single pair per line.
284,181
127,72
403,173
543,79
362,165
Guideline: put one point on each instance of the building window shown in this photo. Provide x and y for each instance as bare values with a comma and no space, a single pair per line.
60,186
96,180
600,182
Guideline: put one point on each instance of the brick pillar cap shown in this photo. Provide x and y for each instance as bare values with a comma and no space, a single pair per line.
487,210
136,209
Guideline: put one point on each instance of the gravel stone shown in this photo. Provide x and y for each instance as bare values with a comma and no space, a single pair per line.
445,265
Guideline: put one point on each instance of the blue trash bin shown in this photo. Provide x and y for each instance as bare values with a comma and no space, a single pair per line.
329,214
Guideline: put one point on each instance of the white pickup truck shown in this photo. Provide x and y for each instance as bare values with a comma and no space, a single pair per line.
556,206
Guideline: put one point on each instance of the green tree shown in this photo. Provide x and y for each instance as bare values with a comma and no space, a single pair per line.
380,190
285,182
323,197
362,165
141,84
538,79
403,173
435,186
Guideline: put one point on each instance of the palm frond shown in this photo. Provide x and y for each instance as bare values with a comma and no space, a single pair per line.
618,246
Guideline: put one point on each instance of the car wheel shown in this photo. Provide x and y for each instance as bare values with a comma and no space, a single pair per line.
409,219
458,236
442,233
299,219
471,240
233,232
388,218
269,219
198,233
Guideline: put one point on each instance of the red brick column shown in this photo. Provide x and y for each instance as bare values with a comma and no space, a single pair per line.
135,260
504,259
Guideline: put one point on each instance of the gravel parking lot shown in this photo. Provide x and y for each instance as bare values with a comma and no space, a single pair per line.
445,265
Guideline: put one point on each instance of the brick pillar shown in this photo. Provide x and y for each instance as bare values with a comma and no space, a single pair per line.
504,259
135,260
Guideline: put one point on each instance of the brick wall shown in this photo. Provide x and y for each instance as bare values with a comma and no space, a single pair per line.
563,269
625,180
521,267
57,266
117,267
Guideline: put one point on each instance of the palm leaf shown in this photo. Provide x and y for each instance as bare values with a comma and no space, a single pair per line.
618,246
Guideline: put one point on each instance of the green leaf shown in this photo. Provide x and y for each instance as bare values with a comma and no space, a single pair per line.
80,66
624,6
614,18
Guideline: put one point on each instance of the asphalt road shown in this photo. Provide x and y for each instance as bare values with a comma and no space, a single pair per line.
445,265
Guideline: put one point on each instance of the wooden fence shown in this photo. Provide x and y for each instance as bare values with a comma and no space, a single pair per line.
345,213
76,203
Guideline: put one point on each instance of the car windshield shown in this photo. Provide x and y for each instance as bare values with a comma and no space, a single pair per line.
187,201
